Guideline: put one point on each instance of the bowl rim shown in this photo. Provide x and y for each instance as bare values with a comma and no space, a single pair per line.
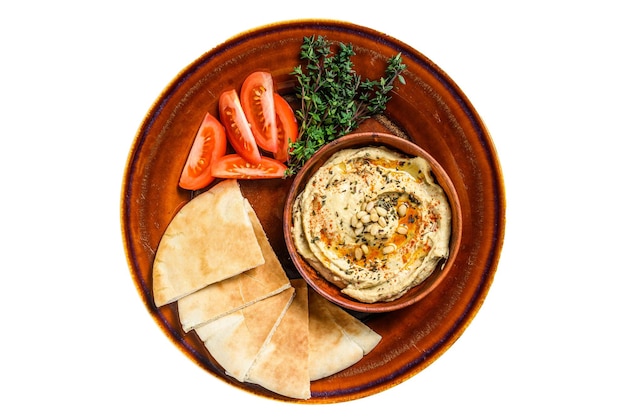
395,143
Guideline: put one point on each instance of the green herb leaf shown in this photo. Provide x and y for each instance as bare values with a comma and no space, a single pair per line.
334,99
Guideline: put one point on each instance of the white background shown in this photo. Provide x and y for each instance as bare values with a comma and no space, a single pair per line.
77,79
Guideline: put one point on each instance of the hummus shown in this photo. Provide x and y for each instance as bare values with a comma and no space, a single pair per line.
373,222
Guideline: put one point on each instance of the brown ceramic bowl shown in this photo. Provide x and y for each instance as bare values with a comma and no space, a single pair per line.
331,291
430,110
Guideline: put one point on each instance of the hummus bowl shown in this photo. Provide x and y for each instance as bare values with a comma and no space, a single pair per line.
330,281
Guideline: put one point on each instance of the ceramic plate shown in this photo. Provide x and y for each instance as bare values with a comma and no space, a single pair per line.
430,110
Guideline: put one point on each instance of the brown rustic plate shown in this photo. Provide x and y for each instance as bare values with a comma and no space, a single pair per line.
430,110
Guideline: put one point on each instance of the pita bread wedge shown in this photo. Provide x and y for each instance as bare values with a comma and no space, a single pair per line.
282,364
235,340
330,349
210,239
356,330
240,291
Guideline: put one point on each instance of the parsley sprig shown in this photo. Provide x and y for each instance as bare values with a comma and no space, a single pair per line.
334,99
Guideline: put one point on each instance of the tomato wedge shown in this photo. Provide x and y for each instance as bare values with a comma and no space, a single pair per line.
237,128
234,166
208,145
287,126
257,100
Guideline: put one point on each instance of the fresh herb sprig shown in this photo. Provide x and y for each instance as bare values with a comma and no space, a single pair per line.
334,99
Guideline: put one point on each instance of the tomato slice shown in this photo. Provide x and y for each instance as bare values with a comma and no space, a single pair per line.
208,145
234,166
287,127
237,128
257,100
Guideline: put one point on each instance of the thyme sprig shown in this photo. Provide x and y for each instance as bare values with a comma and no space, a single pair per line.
334,99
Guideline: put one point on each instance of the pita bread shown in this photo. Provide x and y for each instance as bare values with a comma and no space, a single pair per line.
330,349
227,296
209,240
235,340
356,330
282,364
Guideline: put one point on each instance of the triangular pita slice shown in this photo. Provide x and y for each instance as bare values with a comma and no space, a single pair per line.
330,349
356,330
282,365
236,339
210,239
242,290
